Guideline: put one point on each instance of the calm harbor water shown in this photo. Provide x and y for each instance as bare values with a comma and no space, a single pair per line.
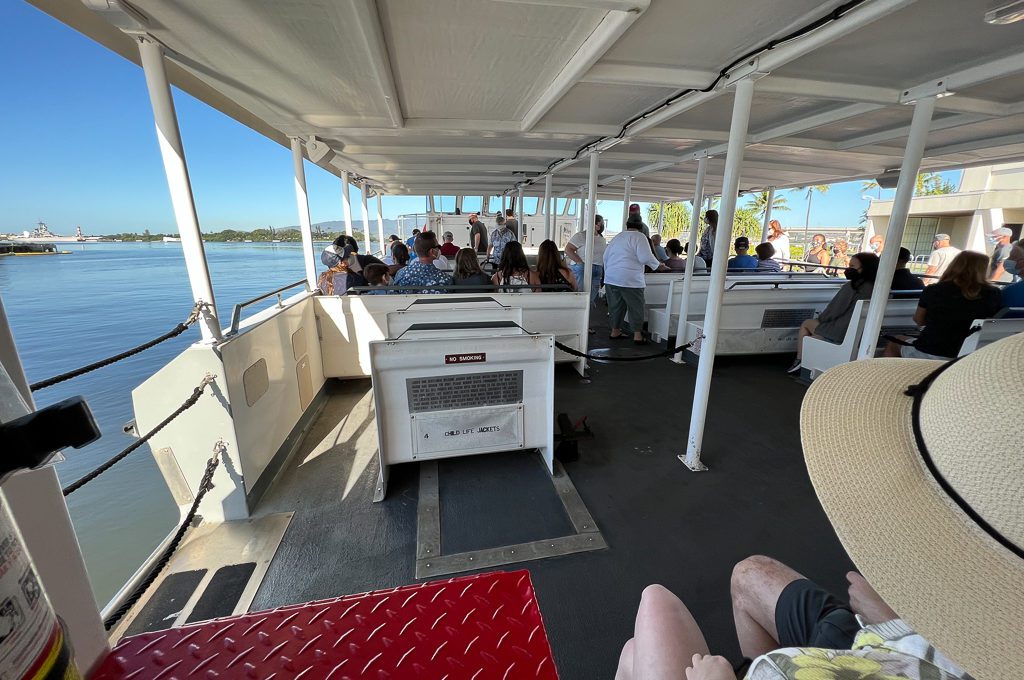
70,310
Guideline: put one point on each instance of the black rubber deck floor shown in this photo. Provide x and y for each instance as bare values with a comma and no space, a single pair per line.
663,523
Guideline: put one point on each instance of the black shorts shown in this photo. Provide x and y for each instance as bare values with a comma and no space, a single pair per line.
807,615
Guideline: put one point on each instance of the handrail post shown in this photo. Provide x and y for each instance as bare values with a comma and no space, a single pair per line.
691,261
716,286
176,170
919,124
588,257
302,203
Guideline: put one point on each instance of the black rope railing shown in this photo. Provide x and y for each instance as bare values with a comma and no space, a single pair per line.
173,333
204,485
646,357
187,404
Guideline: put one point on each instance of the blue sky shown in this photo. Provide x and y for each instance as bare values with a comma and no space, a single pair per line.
81,150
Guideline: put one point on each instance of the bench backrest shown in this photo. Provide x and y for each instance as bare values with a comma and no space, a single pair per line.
989,331
672,296
349,322
899,314
785,306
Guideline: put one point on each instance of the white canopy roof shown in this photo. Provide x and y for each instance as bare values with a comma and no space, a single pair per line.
475,96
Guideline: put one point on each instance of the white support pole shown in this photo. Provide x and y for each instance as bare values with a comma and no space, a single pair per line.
588,258
661,217
767,214
519,213
365,191
912,154
548,233
504,203
302,203
37,505
430,207
176,169
627,186
691,260
579,213
380,223
346,202
716,286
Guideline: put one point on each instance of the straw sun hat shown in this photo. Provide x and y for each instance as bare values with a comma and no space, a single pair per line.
926,492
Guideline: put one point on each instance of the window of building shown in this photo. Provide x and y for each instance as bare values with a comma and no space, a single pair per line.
919,235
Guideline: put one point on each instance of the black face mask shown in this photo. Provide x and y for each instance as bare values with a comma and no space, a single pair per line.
851,273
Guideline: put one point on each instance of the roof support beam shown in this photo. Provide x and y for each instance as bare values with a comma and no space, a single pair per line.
652,76
975,145
593,48
903,130
368,20
456,151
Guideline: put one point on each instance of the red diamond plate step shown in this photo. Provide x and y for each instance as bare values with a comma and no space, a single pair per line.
474,627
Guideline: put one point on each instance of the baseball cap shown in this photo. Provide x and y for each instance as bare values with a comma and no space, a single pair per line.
742,242
634,207
941,237
333,255
1002,231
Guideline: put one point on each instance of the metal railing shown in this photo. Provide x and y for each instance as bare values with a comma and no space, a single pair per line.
236,313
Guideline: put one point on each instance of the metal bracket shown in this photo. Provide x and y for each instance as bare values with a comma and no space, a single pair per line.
935,88
748,69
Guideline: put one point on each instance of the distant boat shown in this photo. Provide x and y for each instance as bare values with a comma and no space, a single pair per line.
248,240
172,239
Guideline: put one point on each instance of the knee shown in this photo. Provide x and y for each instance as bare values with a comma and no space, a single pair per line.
655,597
748,572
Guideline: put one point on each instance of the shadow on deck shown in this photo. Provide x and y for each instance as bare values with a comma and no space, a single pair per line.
663,523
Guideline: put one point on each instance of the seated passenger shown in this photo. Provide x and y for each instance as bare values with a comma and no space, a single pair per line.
440,261
766,261
699,264
675,261
897,507
399,258
1013,295
364,260
743,258
833,321
551,269
947,308
468,272
343,271
448,248
422,272
377,275
659,250
902,278
513,270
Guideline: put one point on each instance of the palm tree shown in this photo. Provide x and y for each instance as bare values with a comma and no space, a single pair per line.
821,189
871,184
759,202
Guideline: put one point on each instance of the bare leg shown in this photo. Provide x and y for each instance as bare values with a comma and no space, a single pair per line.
892,349
756,585
806,328
665,639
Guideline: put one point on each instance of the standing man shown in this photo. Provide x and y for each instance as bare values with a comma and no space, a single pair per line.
940,258
1001,239
500,237
477,234
876,244
634,214
707,239
624,262
576,251
512,223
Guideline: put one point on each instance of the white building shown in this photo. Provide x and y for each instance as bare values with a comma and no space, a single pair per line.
989,197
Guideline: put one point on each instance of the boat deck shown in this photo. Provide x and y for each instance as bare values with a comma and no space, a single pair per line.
663,524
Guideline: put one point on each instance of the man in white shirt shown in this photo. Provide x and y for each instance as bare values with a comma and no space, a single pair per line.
940,258
624,262
576,252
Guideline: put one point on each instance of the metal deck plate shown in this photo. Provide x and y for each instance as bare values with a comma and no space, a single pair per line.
211,547
431,562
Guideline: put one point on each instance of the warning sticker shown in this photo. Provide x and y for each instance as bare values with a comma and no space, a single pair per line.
473,358
496,429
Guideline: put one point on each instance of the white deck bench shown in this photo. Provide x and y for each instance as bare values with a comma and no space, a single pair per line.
991,330
759,319
662,321
820,355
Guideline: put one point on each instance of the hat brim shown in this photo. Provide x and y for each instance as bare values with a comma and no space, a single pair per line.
951,582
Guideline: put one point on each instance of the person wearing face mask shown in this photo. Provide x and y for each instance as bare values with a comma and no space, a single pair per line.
876,244
817,254
1000,238
840,260
576,251
833,321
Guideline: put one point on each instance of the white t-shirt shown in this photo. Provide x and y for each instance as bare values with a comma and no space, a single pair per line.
781,245
579,240
941,257
625,258
443,264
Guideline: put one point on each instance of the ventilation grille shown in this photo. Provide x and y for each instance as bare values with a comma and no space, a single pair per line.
785,318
